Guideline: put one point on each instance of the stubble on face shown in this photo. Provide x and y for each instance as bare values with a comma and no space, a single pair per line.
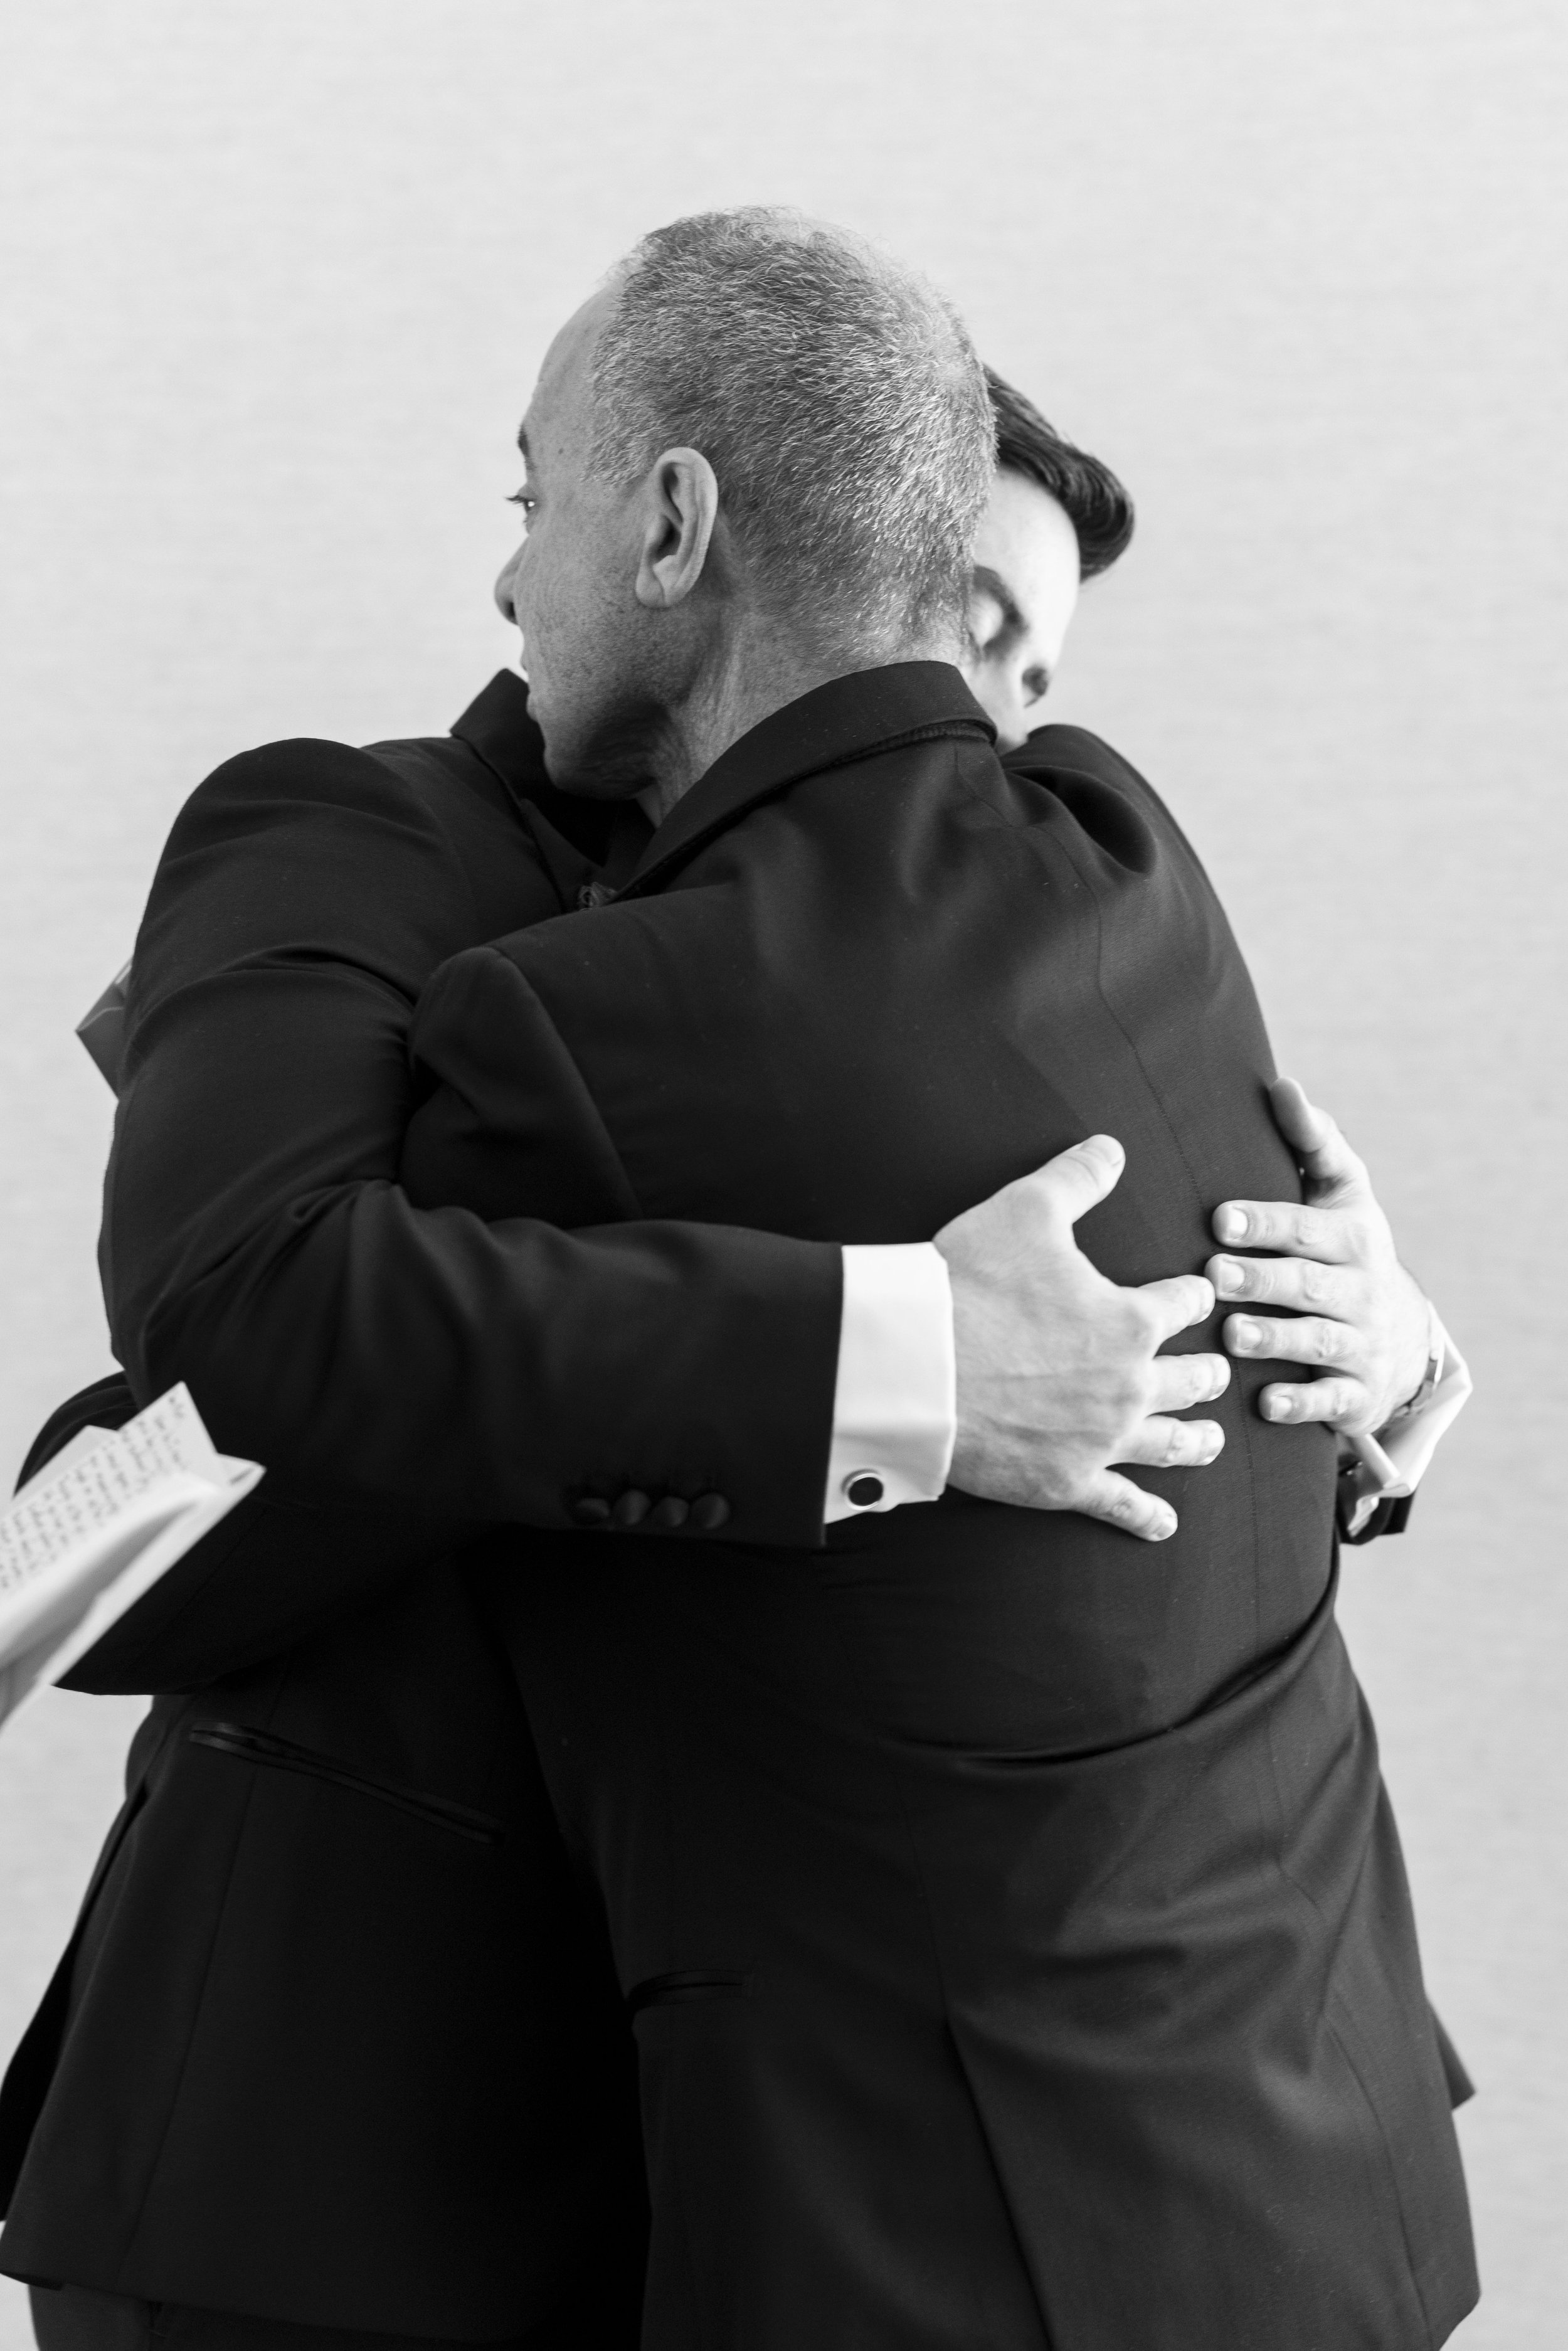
572,588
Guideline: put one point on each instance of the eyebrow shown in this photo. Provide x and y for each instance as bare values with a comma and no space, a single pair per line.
994,585
523,444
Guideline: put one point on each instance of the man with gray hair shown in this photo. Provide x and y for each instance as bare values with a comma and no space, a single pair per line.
856,473
1014,1927
327,2055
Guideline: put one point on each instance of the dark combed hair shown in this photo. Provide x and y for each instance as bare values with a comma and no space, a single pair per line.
1087,492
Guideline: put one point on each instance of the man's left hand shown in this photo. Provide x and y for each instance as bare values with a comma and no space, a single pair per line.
1359,1314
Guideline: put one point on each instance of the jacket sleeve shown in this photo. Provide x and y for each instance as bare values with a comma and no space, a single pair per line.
257,1244
272,1573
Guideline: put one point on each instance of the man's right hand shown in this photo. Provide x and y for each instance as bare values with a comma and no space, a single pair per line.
1058,1373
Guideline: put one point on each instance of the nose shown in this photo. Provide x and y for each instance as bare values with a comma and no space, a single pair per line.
504,605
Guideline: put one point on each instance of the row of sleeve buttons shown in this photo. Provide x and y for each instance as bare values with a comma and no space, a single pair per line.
632,1508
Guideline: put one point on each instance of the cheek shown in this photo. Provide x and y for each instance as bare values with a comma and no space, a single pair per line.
529,584
548,600
504,589
994,686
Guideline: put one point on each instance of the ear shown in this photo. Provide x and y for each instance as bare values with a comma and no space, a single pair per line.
680,499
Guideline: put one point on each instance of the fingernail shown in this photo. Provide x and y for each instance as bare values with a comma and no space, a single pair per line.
1162,1530
1245,1333
1228,1276
1277,1408
1230,1224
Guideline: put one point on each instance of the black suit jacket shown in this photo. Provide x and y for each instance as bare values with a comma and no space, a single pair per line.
255,1242
1012,1914
329,2044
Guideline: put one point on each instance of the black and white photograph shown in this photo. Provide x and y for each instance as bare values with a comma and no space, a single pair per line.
781,1204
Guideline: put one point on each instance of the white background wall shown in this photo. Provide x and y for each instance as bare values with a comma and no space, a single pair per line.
275,276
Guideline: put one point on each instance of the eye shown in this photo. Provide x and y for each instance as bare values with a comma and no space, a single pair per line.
987,617
525,499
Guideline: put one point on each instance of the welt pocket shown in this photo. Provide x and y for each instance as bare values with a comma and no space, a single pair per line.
275,1754
689,1984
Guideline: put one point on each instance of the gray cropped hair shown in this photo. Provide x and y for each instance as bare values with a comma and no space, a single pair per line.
837,397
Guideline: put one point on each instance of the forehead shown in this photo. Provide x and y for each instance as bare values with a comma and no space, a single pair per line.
555,412
1026,536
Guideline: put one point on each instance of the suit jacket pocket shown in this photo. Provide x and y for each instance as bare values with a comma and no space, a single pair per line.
275,1754
686,1984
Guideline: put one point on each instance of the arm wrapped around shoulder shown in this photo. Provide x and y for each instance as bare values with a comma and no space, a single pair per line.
503,1124
259,1244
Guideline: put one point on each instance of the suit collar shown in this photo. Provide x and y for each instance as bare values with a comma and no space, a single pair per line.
497,726
575,837
849,718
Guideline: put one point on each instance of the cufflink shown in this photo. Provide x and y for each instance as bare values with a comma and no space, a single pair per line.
863,1488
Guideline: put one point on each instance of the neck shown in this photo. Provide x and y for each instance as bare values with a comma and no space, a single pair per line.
756,671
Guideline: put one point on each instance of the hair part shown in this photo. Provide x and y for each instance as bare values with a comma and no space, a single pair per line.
1093,500
838,399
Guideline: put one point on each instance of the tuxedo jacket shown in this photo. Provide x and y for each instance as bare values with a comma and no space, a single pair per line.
1012,1913
365,2109
330,2044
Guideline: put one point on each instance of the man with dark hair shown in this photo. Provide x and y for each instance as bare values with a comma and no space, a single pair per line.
1056,517
333,2049
1084,487
1390,1379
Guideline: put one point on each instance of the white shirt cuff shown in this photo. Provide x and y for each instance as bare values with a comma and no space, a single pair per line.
895,1410
1394,1461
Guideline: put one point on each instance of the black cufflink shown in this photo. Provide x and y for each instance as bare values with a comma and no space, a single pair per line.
865,1489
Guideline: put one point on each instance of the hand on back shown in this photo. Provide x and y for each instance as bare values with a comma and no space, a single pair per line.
1058,1372
1358,1318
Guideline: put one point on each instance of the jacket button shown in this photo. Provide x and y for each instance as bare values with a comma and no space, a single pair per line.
593,893
709,1512
631,1507
671,1512
865,1489
591,1512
